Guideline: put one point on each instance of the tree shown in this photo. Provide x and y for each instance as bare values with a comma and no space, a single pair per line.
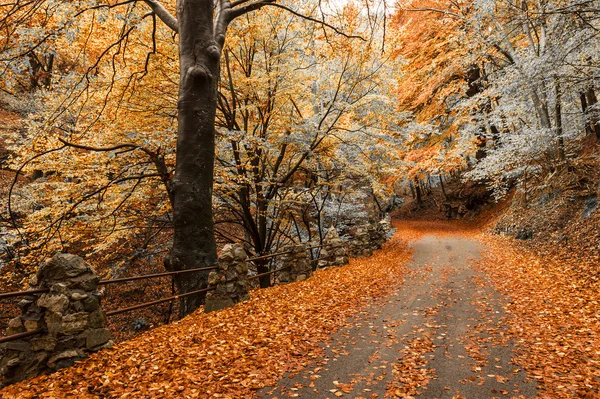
285,112
201,27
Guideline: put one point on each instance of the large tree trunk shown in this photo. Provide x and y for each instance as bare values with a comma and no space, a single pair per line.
193,241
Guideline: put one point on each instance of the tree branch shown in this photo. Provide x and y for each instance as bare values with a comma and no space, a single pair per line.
164,15
234,13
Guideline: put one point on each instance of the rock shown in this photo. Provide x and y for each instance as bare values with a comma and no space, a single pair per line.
76,296
75,323
227,254
97,319
24,304
284,277
214,278
47,343
15,322
69,342
229,288
524,235
32,325
59,288
61,267
215,304
54,303
301,277
239,253
77,306
96,337
242,268
18,346
91,303
589,207
86,282
13,363
65,358
54,322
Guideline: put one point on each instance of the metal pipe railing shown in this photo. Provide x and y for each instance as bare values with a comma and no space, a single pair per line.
157,302
145,277
14,337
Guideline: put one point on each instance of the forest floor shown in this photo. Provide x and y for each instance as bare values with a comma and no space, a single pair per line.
442,311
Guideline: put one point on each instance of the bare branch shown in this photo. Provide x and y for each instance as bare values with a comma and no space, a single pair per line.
164,15
262,3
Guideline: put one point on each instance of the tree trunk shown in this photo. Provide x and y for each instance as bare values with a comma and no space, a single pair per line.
193,241
558,121
443,188
594,122
418,191
265,281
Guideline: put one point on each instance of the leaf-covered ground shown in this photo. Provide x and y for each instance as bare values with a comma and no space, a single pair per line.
552,317
231,353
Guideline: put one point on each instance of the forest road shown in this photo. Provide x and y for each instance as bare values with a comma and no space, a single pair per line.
440,335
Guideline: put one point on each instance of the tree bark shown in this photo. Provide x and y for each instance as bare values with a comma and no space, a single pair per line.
594,122
558,121
194,243
443,188
418,191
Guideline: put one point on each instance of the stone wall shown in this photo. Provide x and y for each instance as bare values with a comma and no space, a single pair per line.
296,263
369,237
334,251
360,243
230,280
74,324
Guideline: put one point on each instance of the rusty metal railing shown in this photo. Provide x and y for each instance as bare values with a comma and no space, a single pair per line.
144,305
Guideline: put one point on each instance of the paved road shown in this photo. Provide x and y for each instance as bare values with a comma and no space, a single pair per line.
439,336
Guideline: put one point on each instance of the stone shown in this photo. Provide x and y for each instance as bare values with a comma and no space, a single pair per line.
65,358
31,325
24,304
53,322
284,277
91,303
214,304
13,363
239,252
59,288
229,288
86,282
75,323
47,343
18,346
301,277
77,306
97,319
96,337
227,254
54,303
242,268
77,296
213,278
15,322
69,342
62,267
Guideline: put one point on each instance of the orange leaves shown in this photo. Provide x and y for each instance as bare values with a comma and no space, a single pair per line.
234,352
551,315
